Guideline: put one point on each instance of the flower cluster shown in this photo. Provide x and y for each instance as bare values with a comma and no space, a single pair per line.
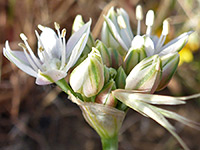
110,75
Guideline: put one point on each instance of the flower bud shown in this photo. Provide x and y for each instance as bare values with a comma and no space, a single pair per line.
104,53
135,54
120,79
116,58
116,31
146,75
109,74
88,77
105,96
169,66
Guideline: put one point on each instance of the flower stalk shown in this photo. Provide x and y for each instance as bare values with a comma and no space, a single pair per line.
110,143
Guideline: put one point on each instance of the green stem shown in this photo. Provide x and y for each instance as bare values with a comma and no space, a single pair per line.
64,86
110,143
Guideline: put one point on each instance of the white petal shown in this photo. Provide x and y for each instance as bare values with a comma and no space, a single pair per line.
137,42
145,75
155,39
19,59
150,111
115,33
50,42
122,12
149,46
148,98
107,38
177,117
77,79
75,38
175,45
50,76
76,52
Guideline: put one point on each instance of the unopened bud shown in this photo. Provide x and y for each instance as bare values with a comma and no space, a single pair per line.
120,79
109,74
91,80
146,75
135,54
104,53
169,66
116,58
105,96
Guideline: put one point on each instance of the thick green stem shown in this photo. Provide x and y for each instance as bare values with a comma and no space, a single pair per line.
110,143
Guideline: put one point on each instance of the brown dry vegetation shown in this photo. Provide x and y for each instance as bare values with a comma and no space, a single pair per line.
42,118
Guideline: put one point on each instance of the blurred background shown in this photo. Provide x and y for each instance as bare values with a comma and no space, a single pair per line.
41,118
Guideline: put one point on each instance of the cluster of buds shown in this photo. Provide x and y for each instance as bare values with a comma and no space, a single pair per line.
124,70
112,74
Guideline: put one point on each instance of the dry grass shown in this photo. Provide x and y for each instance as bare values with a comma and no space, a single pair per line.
41,118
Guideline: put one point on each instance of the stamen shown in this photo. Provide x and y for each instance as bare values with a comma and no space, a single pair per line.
35,59
28,57
57,26
166,26
149,21
23,36
63,59
42,50
63,34
165,32
139,17
41,27
38,37
121,22
139,14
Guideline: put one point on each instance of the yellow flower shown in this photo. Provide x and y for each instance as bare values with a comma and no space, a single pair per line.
185,55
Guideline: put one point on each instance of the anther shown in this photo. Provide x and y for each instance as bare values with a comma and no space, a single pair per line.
149,21
57,26
41,27
63,34
121,22
22,45
150,18
166,27
139,17
139,14
23,36
41,49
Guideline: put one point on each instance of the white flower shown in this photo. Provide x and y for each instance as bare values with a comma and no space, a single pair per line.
117,29
56,56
